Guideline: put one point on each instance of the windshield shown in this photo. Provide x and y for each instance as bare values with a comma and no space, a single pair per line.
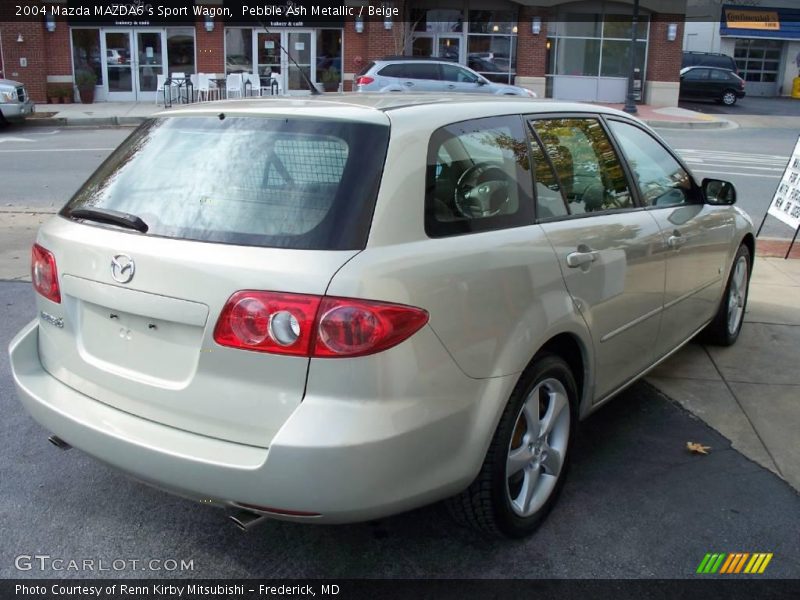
275,182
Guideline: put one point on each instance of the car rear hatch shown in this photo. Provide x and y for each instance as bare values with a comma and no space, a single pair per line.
229,204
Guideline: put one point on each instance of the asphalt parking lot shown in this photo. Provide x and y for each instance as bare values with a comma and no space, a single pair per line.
637,504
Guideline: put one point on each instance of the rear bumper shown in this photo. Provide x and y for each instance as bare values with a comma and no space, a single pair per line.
16,111
342,460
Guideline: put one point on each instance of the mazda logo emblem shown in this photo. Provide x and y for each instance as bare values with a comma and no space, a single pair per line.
122,268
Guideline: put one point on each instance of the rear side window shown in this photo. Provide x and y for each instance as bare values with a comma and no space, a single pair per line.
275,182
398,70
423,71
717,75
696,75
478,177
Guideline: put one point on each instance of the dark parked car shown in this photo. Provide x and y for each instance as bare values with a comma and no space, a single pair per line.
711,83
709,59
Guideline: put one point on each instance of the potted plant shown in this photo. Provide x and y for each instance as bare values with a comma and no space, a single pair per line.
86,80
52,93
331,79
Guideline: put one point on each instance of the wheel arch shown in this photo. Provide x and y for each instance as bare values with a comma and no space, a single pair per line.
750,241
574,352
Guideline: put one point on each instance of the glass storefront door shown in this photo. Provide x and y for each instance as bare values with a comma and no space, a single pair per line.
278,51
299,48
150,61
118,68
132,62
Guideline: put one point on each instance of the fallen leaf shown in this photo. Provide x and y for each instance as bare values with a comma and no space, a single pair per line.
697,448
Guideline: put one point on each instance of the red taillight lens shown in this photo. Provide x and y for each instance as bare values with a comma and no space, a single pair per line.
268,322
350,327
313,326
44,273
364,80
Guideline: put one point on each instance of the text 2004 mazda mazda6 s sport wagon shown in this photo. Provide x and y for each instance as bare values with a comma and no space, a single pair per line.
334,310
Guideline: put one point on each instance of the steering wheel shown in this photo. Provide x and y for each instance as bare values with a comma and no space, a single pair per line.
482,191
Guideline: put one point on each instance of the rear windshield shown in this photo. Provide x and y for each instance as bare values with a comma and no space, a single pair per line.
275,182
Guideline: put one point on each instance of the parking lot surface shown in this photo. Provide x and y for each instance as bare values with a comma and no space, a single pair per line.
636,504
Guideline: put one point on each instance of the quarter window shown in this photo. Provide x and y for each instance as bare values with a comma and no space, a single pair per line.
589,172
661,179
478,177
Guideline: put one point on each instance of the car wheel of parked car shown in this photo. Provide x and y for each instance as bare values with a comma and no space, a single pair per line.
728,98
526,464
727,323
3,122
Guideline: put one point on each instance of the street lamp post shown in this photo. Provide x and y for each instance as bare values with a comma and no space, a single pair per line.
630,102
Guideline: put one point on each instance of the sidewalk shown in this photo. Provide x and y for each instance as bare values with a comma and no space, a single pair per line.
107,114
750,392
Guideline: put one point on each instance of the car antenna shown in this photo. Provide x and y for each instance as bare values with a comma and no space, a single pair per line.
311,87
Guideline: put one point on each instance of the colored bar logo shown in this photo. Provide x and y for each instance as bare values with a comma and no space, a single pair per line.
736,562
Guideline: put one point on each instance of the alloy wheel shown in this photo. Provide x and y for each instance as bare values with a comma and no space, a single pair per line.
737,295
538,447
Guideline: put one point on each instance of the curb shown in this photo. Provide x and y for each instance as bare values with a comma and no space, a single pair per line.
717,124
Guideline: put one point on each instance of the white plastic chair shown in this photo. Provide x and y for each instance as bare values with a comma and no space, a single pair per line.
195,81
206,88
254,82
233,85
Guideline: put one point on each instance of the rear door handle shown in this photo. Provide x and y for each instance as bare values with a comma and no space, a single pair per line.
451,86
676,240
408,83
579,259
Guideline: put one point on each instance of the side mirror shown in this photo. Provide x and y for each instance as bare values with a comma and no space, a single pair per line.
718,192
481,82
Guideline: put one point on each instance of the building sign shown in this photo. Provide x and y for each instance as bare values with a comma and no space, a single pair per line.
752,19
786,202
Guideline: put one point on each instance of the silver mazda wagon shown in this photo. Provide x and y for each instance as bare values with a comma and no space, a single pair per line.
335,309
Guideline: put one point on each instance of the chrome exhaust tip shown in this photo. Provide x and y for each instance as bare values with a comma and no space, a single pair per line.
58,442
246,520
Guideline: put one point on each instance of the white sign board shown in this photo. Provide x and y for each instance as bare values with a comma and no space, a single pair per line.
786,203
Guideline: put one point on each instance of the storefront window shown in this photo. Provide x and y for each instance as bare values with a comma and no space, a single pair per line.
329,57
180,50
438,20
578,57
616,58
238,50
86,52
492,44
492,21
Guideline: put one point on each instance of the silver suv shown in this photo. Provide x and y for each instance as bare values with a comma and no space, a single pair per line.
402,74
15,104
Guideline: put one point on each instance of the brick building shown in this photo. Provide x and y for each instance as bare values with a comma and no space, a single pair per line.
565,50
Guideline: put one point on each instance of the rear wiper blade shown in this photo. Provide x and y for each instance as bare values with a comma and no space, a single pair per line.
112,217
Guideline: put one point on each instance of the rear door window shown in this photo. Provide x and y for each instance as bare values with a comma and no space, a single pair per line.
478,177
423,71
273,182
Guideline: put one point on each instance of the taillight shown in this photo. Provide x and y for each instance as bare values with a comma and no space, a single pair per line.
44,273
348,327
268,322
364,80
314,326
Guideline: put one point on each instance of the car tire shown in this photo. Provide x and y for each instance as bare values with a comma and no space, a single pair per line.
728,98
524,471
3,122
727,323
